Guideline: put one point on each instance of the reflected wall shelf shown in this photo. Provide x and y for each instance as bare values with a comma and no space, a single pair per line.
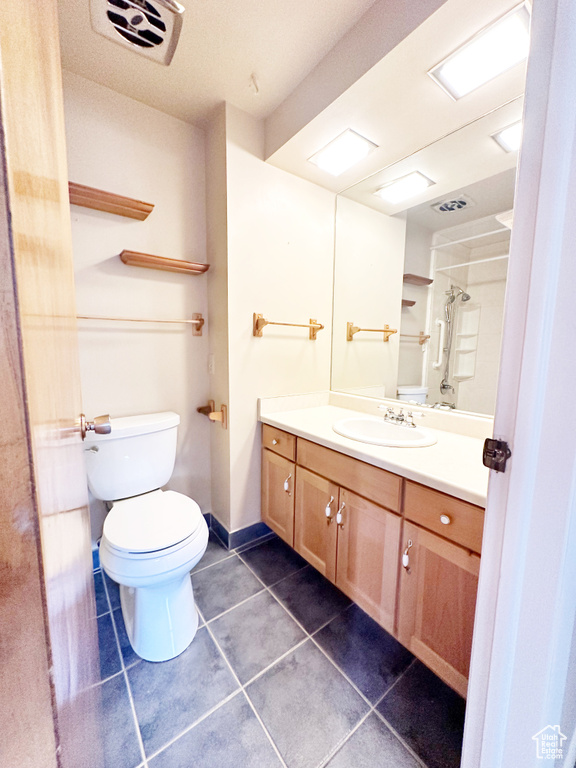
135,259
417,279
408,303
99,200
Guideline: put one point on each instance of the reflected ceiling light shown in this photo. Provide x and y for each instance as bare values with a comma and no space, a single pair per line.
342,152
509,138
402,189
489,53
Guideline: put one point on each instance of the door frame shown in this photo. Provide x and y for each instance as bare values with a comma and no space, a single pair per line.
521,654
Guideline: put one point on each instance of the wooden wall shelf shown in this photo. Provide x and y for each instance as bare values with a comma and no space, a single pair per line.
408,303
417,279
98,200
135,259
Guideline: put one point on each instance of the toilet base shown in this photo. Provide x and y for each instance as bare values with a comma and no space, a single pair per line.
160,621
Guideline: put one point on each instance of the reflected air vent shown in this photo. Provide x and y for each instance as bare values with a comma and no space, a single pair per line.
454,204
149,27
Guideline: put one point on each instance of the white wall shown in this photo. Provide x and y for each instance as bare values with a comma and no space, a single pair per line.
487,286
414,319
280,232
120,145
367,292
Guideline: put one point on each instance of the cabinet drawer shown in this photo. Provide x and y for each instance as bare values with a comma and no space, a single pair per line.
463,522
278,441
371,482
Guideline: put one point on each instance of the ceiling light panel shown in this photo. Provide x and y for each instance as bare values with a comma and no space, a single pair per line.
342,152
404,188
489,53
509,138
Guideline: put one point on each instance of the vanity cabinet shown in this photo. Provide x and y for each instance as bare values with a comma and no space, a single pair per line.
439,580
278,476
367,556
359,550
315,535
427,602
437,600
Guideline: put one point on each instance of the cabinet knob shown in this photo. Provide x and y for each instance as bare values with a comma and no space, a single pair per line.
328,510
339,518
445,520
287,484
274,442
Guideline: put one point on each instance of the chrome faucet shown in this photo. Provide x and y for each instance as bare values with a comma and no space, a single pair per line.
398,418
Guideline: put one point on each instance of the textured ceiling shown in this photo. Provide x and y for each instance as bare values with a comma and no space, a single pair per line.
223,42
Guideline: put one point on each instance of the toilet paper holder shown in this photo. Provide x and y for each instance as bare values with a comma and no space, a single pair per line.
214,415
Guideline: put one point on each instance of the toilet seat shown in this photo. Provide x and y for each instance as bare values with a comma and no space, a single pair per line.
152,523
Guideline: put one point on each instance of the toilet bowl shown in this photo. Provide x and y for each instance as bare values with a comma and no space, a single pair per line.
152,538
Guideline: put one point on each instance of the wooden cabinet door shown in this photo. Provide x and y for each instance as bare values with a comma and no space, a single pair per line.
437,604
315,535
278,495
367,564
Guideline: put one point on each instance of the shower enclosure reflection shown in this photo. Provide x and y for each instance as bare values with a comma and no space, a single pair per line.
435,273
465,311
447,325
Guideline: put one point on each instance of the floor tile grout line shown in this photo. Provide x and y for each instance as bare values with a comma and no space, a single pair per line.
344,675
127,683
196,570
269,589
310,637
275,584
404,743
287,653
256,543
395,683
373,711
228,610
262,671
267,733
193,725
326,759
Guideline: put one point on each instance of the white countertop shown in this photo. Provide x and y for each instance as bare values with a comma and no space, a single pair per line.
453,465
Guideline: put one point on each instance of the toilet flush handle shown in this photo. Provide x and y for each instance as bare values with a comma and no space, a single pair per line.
100,425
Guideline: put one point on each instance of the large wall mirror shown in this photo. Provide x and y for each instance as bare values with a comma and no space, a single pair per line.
431,267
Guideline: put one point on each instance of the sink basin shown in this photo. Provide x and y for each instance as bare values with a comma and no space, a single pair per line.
369,429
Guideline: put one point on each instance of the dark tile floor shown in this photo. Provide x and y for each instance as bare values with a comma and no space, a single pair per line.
284,671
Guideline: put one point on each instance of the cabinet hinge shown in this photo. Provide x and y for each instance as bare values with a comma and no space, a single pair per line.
496,454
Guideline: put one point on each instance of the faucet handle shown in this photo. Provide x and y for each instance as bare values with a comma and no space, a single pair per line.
409,422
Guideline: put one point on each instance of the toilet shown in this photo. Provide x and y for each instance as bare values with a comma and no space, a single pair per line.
152,538
413,393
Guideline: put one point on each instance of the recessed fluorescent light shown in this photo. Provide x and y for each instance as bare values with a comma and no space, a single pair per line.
509,138
402,189
342,152
489,53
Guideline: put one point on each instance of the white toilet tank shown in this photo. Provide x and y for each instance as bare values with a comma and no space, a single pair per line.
136,457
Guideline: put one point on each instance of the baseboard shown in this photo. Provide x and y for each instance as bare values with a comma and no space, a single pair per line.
241,537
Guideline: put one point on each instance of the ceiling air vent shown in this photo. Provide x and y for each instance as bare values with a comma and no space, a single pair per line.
457,203
149,27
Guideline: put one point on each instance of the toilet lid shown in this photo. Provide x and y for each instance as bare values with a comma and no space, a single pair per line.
152,522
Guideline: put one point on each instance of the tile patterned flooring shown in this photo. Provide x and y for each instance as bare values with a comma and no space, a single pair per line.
284,671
